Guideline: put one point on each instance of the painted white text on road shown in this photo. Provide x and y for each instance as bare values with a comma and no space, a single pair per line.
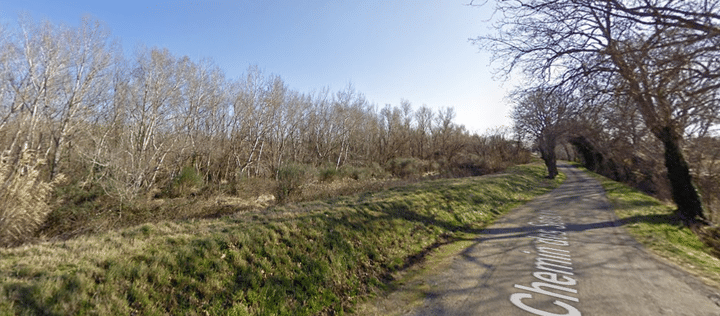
554,268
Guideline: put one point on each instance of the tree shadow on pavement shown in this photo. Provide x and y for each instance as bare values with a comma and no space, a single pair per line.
530,230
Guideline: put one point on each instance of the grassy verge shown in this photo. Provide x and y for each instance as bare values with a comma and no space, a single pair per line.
653,224
304,259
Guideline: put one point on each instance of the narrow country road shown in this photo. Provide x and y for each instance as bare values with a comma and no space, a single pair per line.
562,254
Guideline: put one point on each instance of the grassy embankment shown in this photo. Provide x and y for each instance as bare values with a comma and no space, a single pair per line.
654,225
304,259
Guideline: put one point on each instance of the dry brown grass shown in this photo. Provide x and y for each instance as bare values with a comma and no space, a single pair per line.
87,209
23,198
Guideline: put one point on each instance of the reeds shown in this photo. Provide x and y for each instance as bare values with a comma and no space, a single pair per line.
23,198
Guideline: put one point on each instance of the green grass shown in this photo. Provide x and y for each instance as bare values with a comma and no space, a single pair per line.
654,225
304,259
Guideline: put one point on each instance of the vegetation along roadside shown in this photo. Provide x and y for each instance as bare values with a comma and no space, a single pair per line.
304,259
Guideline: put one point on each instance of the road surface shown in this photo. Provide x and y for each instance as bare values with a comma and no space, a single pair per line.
563,254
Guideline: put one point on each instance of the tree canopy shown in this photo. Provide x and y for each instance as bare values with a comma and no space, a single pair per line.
662,55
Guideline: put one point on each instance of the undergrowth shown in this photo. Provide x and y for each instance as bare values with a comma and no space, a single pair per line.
299,259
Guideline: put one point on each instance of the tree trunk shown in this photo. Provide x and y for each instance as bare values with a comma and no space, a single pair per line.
551,164
684,193
547,153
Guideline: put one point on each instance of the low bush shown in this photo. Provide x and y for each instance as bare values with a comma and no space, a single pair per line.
407,167
250,188
76,210
372,171
290,178
359,173
81,208
329,174
189,181
709,187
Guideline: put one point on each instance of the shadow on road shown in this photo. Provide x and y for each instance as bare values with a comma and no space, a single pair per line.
526,231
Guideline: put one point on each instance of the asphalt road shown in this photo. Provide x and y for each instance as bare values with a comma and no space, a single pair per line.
563,254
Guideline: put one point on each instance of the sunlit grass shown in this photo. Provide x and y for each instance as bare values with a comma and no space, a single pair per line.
304,259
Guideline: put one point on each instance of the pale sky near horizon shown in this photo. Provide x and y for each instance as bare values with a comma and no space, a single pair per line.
388,49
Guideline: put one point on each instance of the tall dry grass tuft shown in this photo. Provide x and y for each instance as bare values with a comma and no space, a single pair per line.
23,198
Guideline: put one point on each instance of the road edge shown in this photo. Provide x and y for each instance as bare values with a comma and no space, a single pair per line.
693,278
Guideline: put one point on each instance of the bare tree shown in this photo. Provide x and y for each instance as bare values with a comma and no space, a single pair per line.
35,71
8,53
349,106
84,88
665,52
257,102
30,69
543,114
447,136
147,104
424,118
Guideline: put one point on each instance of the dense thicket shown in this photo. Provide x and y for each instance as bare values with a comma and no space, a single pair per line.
157,124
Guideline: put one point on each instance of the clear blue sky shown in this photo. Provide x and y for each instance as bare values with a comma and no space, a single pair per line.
389,50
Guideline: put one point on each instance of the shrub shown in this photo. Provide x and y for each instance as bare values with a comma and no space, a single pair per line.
291,177
469,166
23,198
373,171
188,181
74,207
329,174
251,188
407,167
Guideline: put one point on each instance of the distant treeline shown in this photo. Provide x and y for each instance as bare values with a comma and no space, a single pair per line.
74,108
